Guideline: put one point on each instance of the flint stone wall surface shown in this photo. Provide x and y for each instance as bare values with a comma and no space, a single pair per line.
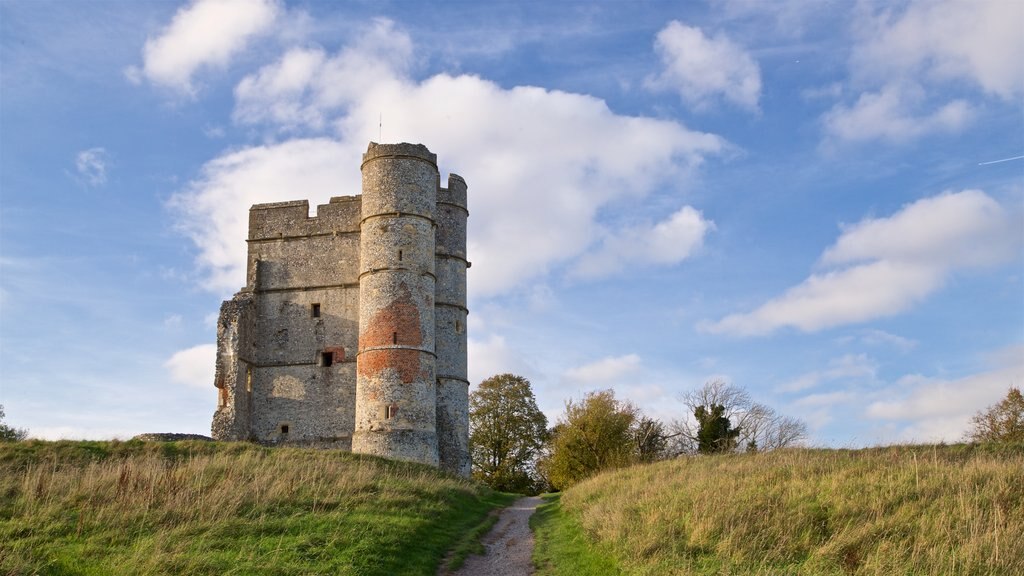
350,331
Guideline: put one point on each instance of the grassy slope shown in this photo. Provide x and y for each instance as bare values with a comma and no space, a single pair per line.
562,547
210,508
901,510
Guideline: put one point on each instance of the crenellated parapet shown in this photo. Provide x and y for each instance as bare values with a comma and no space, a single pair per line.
279,220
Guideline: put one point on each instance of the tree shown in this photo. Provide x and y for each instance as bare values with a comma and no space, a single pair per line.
760,427
8,434
593,435
507,432
715,433
650,439
1001,422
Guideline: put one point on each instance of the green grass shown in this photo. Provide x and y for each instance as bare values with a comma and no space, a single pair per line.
925,510
213,508
562,548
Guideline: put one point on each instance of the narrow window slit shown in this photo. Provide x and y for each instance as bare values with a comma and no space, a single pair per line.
315,310
394,337
326,359
399,255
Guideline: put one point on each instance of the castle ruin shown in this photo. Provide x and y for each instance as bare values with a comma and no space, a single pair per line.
351,330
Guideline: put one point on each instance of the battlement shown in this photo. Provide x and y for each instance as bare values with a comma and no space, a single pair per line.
291,219
403,150
455,193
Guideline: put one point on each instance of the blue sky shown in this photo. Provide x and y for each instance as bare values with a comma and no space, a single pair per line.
822,202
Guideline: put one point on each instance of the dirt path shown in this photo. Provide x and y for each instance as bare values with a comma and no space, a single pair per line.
509,544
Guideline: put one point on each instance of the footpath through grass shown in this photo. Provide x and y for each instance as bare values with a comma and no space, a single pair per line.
922,510
214,508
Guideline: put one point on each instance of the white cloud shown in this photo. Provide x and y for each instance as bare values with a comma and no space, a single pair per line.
306,86
667,242
193,366
207,33
608,370
214,210
875,337
848,367
539,163
903,57
932,410
491,356
897,114
967,228
702,69
978,41
890,265
91,166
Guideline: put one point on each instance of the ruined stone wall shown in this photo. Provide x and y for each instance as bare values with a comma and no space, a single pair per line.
304,301
236,333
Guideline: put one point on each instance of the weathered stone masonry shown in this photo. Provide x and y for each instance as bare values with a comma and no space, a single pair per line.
351,329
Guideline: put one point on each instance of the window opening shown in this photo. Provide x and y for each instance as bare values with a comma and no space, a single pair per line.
284,429
399,255
326,359
394,337
248,379
315,309
390,411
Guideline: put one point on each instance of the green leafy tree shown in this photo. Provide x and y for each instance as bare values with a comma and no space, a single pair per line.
8,434
715,433
593,435
1001,422
507,432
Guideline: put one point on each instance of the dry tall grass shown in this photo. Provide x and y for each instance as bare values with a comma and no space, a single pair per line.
925,510
220,509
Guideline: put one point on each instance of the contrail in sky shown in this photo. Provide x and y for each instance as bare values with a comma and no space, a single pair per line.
998,161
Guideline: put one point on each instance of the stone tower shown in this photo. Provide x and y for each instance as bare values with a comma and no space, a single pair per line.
351,329
396,382
450,313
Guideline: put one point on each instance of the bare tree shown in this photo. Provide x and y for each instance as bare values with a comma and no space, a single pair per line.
760,427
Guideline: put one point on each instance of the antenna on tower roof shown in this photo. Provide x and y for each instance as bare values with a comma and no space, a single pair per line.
380,127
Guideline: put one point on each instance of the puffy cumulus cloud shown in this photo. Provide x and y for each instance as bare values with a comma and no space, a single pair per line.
894,114
206,33
932,410
977,41
702,69
193,366
213,210
91,166
539,163
668,242
885,265
902,55
306,86
605,371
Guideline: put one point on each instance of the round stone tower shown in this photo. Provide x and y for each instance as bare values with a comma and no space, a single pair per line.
396,396
450,320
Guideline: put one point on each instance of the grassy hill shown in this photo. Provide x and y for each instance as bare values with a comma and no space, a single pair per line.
212,508
928,510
